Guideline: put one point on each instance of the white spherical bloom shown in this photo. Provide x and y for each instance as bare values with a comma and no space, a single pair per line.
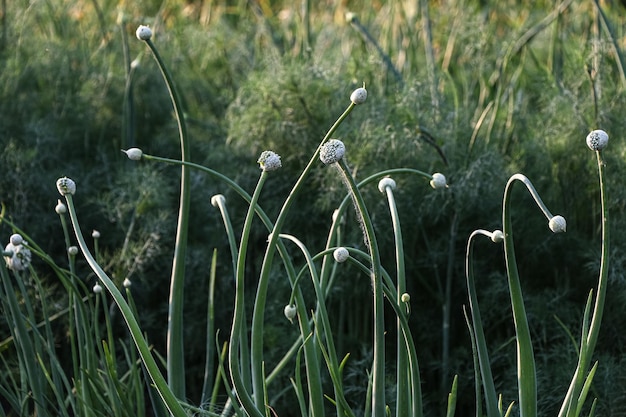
497,236
597,140
20,258
66,186
269,161
359,96
97,288
557,224
438,181
72,251
143,33
60,208
341,254
332,151
95,234
127,283
386,182
217,199
290,312
405,298
134,154
16,239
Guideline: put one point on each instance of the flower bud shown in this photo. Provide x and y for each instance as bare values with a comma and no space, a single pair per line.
97,289
557,224
16,239
359,95
95,234
290,312
72,251
60,208
269,161
341,254
134,154
597,140
405,298
66,186
497,236
127,283
332,151
217,199
20,258
386,182
438,181
143,33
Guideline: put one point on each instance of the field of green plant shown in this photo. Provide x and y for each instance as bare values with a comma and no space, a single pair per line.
274,208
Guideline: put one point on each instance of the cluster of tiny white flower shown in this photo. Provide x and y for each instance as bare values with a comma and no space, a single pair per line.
18,255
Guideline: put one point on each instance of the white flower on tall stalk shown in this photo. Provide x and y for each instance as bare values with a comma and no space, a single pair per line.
66,186
438,181
72,251
127,283
359,95
269,161
332,151
143,33
134,154
597,140
19,255
95,234
557,224
386,182
60,208
290,312
341,254
97,288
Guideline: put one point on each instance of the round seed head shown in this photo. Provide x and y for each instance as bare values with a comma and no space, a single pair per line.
269,161
438,181
143,33
290,312
66,186
134,154
597,140
557,224
332,151
386,182
341,254
359,95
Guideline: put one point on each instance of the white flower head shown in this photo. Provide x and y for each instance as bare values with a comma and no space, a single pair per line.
217,199
438,181
95,234
359,95
290,312
557,224
20,257
97,289
269,161
143,33
597,140
386,182
66,186
134,154
72,251
341,254
332,151
60,208
16,239
405,298
497,236
127,283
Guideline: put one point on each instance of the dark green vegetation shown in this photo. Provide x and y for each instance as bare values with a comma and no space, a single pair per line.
475,90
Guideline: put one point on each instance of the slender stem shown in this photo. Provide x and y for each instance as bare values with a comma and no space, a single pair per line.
175,348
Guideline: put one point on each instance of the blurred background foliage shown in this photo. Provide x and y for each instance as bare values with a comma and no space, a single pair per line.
475,89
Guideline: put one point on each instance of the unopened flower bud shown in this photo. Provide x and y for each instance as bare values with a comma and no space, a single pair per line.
557,224
60,208
66,186
20,258
386,182
217,199
127,283
72,251
341,254
438,181
143,33
95,234
359,95
332,151
97,289
405,298
16,239
269,161
497,236
290,312
134,154
597,140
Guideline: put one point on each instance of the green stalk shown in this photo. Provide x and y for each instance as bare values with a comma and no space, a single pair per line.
378,366
491,398
175,348
167,395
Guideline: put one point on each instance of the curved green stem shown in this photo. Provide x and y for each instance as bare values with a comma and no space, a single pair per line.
175,343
